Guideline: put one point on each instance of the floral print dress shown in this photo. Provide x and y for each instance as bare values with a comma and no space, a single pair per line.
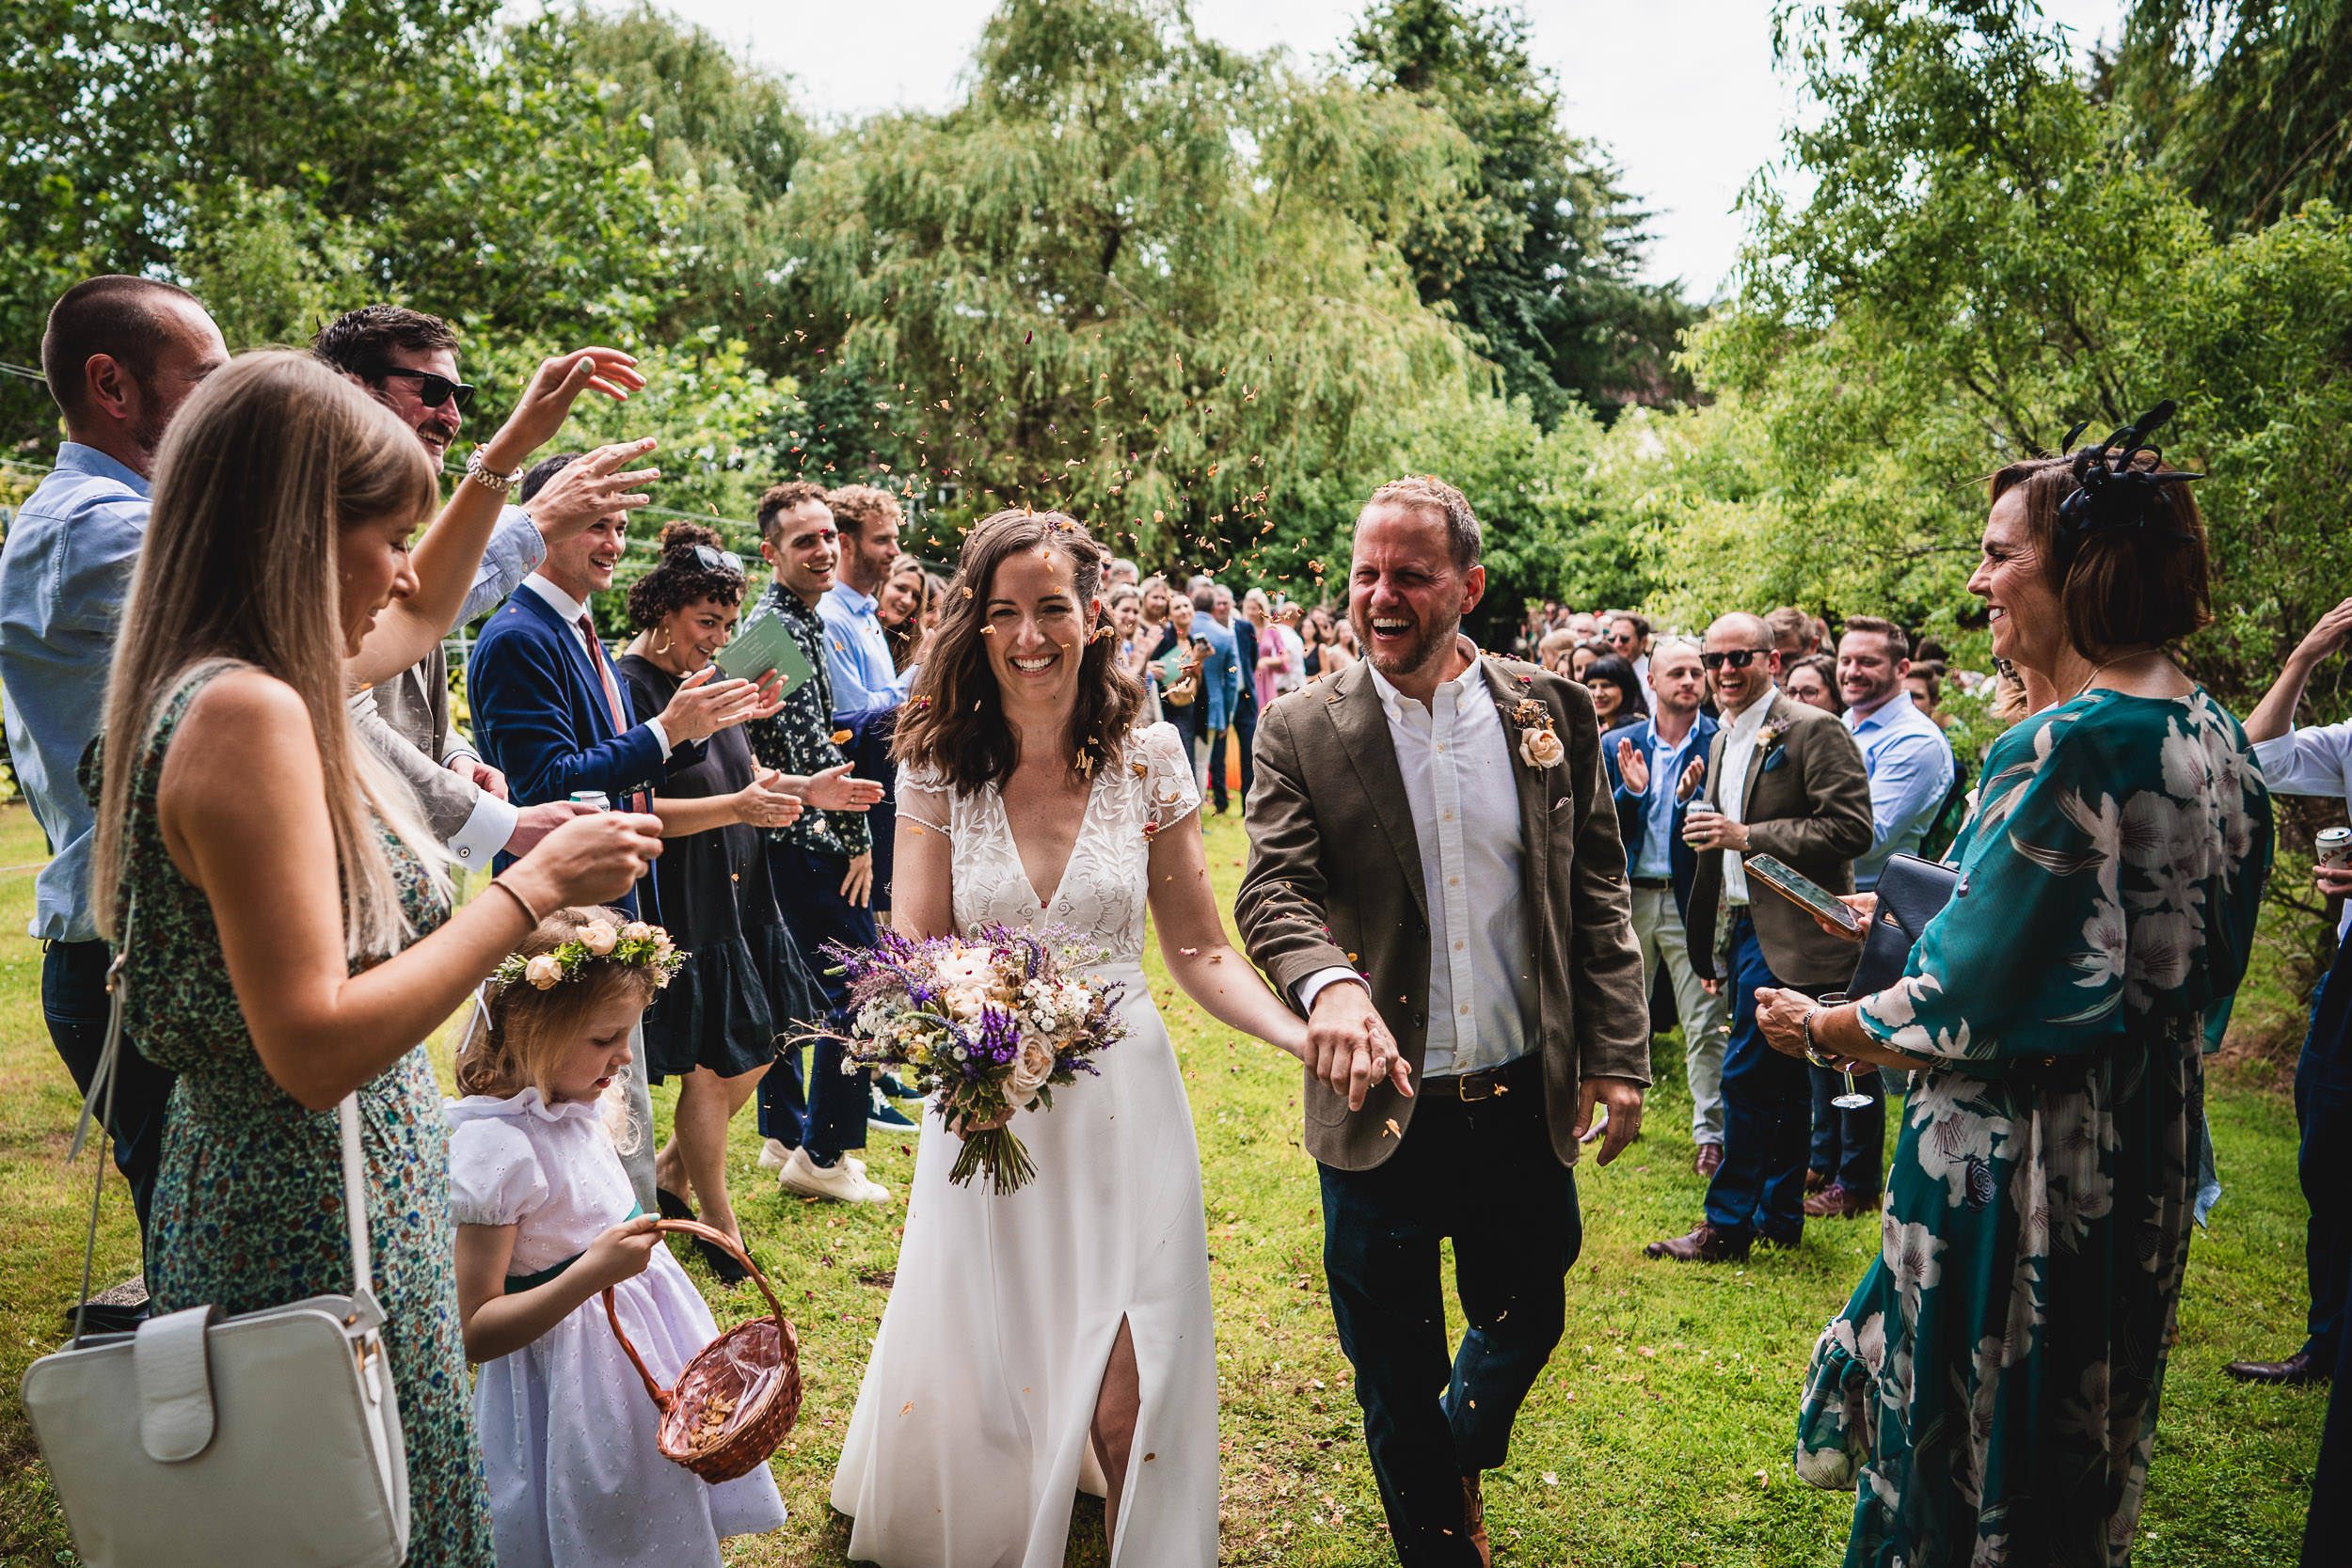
1992,1388
249,1204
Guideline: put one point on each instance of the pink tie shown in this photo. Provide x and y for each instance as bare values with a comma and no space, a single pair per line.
612,695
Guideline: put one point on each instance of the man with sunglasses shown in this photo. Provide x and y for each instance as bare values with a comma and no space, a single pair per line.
408,361
1786,780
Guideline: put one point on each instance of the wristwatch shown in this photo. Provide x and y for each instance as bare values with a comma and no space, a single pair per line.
482,474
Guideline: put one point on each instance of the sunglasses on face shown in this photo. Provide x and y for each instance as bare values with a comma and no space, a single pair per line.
1739,659
434,389
718,559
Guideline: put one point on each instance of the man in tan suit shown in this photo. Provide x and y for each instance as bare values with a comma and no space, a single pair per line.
1435,871
1786,780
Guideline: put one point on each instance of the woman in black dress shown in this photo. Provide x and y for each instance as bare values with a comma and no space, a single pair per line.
715,1027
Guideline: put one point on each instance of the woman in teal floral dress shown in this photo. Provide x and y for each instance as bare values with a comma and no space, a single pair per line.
1992,1388
285,926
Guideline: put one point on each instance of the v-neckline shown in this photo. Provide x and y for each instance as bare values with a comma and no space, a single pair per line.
1086,815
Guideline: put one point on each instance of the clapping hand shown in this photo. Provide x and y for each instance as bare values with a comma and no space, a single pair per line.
705,705
835,790
1349,1049
1633,768
765,802
1693,777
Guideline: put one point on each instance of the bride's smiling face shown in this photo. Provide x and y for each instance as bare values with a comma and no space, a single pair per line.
1036,627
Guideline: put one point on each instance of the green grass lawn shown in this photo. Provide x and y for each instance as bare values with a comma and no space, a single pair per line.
1660,1435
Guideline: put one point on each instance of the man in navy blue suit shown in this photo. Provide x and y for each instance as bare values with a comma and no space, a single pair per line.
1655,766
550,714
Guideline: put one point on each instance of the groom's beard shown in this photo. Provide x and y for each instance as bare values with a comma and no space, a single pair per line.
1419,651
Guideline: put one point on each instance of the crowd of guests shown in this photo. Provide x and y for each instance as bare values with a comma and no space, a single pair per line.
227,703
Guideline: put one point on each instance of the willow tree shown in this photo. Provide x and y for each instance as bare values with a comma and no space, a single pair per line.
1133,274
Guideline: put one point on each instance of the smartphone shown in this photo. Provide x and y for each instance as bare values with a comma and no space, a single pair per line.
1794,885
763,643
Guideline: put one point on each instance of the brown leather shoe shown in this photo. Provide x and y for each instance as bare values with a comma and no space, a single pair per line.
1838,1201
1708,1160
1705,1245
1816,1179
1474,1518
2296,1369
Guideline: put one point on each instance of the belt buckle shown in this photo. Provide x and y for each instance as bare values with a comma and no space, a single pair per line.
1470,1085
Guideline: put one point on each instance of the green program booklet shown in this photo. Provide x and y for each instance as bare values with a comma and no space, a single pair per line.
762,643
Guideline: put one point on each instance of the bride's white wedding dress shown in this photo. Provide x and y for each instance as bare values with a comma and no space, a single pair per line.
970,1437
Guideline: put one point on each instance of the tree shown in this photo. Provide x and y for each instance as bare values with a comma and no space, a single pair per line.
1538,257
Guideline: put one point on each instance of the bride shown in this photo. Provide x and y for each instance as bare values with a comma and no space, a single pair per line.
1059,1338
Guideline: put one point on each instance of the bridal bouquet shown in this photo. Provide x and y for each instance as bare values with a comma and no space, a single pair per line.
985,1024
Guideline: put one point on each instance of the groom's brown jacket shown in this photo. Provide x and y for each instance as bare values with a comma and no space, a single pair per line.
1335,882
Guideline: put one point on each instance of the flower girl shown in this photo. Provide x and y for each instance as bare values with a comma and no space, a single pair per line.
546,1221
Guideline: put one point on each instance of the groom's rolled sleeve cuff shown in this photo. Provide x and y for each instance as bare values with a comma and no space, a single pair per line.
1313,985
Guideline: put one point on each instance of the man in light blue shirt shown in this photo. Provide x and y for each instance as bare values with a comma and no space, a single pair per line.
1220,685
120,355
867,682
1909,759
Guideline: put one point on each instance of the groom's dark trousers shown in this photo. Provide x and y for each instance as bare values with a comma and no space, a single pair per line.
1381,1230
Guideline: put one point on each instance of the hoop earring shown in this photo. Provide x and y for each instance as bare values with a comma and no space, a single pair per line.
665,641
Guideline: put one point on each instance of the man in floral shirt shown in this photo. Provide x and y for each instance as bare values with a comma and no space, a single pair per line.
822,864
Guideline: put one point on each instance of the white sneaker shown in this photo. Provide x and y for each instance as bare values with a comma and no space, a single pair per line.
774,1156
839,1182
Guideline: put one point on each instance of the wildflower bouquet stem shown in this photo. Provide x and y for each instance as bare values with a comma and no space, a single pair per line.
999,1155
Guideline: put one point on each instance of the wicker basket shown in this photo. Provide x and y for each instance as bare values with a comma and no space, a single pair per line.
754,1366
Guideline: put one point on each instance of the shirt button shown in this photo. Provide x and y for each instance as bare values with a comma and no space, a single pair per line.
1466,1007
1457,947
1454,881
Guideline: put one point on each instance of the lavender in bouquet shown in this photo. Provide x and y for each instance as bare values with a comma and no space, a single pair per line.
985,1024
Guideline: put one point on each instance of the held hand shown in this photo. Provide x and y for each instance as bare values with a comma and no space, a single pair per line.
2325,636
1693,777
964,1127
534,823
1780,1014
484,777
598,485
835,790
1712,987
705,705
1623,1097
1866,909
858,886
1708,829
1348,1048
621,1253
1633,768
594,859
547,402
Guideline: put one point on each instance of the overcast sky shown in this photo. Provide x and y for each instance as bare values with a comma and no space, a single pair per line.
1682,92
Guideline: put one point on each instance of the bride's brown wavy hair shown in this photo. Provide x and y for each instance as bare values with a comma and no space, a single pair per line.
954,719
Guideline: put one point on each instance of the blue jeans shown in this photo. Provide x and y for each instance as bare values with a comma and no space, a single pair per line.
1767,1114
1515,1232
74,1003
831,1117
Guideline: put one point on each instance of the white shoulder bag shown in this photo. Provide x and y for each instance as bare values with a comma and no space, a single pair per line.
271,1439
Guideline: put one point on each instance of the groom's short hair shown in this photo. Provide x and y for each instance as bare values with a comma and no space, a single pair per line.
1432,494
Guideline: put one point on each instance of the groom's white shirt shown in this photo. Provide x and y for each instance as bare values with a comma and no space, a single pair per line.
1457,763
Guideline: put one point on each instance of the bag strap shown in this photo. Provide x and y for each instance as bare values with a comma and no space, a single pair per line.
102,1093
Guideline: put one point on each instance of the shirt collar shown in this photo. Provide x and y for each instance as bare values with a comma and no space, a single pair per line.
1752,717
562,603
851,599
76,458
1393,701
1888,712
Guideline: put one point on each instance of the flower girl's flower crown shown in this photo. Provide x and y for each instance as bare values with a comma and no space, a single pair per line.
636,942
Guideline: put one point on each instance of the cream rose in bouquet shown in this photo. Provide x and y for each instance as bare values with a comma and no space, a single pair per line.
985,1024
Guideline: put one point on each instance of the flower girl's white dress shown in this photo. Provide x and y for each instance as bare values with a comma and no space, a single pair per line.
567,1429
969,1442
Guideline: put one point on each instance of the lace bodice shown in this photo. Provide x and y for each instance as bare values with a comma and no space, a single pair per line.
1148,786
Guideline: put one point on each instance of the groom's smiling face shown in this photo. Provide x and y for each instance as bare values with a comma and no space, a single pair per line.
1406,597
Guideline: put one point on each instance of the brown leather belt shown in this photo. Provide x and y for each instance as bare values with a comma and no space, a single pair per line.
1522,1076
1651,881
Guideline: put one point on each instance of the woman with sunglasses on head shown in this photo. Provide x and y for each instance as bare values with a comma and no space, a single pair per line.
715,1026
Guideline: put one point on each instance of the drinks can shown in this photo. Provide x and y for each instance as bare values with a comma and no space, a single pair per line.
596,800
2334,845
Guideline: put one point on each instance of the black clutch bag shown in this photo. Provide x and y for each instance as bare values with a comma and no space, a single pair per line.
1912,892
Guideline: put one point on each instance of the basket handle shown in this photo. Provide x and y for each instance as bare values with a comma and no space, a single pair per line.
662,1396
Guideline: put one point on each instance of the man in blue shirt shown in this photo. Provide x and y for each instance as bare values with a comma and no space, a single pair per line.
1911,767
120,355
867,686
1656,768
1220,684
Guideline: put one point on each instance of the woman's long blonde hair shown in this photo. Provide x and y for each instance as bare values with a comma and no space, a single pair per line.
265,466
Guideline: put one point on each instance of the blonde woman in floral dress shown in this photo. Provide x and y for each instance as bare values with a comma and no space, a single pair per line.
1992,1387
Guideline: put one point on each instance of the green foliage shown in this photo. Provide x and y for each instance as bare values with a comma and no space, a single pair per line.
1537,255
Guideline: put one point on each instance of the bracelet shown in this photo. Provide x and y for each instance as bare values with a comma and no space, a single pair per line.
1812,1052
482,474
532,916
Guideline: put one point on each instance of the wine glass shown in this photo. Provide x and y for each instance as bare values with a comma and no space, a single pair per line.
1854,1099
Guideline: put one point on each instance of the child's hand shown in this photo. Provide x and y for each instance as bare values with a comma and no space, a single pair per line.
622,1252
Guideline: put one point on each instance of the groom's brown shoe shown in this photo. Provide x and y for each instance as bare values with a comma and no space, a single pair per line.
1705,1245
1474,1518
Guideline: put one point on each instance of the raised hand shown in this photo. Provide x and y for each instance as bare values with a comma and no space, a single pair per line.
1633,768
555,386
1693,777
600,484
705,705
2327,635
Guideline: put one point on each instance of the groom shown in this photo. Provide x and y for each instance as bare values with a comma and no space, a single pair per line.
1435,863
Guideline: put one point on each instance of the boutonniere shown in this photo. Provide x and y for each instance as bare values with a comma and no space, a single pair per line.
1539,743
1770,736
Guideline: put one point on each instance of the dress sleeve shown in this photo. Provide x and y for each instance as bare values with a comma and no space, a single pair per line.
1175,793
2029,958
494,1174
926,798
